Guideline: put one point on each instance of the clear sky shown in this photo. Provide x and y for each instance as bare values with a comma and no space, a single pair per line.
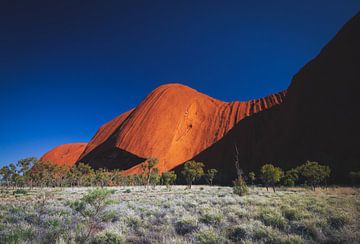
66,67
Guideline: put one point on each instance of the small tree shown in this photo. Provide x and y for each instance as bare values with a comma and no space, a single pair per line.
240,188
154,178
291,177
192,171
355,177
168,178
314,173
251,177
148,167
5,174
102,177
271,175
210,175
25,166
92,207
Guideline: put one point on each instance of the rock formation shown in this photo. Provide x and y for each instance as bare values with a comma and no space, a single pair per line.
66,154
318,120
173,123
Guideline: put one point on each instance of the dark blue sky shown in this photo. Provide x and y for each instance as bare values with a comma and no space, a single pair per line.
66,67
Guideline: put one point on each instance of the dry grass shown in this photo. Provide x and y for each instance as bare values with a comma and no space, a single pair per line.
201,215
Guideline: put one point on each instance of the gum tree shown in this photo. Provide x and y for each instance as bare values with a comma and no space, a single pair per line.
271,175
192,171
314,173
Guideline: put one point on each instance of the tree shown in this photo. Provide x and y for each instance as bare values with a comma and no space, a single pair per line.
210,175
314,173
271,175
251,177
42,173
154,177
148,167
168,178
25,165
291,177
102,177
5,175
355,177
240,188
192,171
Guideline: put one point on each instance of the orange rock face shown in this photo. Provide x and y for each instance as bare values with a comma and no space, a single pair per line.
66,154
173,123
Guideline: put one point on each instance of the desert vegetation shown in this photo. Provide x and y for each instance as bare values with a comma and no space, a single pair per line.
43,202
202,214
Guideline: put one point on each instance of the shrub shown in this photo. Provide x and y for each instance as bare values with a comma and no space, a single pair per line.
92,207
20,192
208,236
108,238
251,177
291,213
186,225
337,220
240,188
273,218
211,216
127,191
210,175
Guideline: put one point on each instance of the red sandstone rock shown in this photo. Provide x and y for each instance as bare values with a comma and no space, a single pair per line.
173,123
66,154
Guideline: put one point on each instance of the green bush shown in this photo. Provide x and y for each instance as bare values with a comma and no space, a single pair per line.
291,213
337,220
273,218
92,208
208,236
186,225
210,216
108,238
20,192
240,188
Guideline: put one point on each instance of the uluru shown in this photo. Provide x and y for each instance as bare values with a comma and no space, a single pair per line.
317,119
173,124
65,154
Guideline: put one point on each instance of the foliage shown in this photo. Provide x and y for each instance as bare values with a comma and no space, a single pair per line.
210,176
212,215
314,173
291,177
251,177
92,208
271,175
240,188
148,167
168,178
192,171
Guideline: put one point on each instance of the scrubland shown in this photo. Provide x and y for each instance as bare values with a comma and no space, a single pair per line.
203,214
